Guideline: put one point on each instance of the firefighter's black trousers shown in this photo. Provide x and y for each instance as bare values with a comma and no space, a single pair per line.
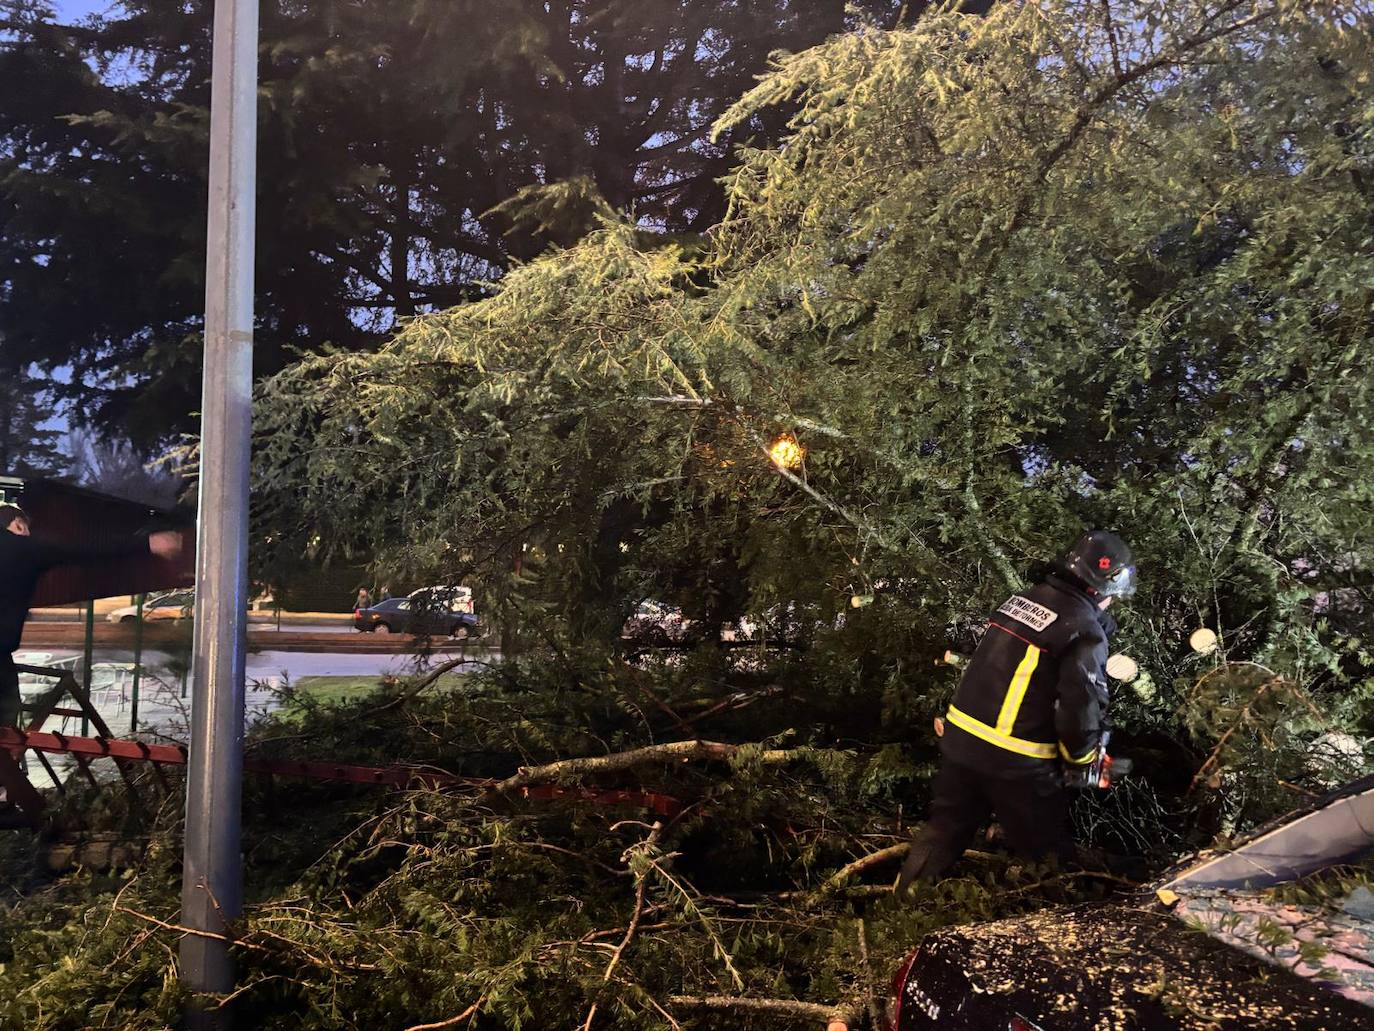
1031,808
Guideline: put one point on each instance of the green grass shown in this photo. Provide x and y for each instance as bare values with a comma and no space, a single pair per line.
332,690
337,690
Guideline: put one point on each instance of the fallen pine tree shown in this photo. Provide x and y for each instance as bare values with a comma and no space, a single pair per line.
762,901
485,909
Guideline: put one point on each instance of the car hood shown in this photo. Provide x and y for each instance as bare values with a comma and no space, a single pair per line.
1099,967
1222,892
1143,966
1335,829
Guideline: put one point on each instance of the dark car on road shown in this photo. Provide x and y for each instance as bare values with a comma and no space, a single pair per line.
410,616
1229,941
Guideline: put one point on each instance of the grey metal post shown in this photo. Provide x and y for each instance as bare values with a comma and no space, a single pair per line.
138,665
212,881
88,657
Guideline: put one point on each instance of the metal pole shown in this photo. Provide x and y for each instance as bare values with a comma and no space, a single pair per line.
88,656
212,878
138,665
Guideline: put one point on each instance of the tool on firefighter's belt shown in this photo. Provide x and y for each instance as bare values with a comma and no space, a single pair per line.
1096,774
1101,772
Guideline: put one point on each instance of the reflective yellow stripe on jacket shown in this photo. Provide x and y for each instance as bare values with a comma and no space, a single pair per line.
1016,692
993,736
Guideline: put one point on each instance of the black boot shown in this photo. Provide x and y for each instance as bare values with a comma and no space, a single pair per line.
914,869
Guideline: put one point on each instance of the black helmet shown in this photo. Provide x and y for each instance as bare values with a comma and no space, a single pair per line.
1101,561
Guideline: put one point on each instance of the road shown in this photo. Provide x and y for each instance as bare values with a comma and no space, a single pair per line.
270,666
343,624
170,636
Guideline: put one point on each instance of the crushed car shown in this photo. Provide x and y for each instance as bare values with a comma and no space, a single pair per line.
1275,933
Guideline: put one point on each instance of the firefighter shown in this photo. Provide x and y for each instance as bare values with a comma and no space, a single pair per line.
1032,701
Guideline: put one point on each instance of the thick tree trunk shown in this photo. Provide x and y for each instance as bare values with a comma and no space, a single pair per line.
400,244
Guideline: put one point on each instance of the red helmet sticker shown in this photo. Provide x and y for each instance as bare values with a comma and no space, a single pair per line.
1104,563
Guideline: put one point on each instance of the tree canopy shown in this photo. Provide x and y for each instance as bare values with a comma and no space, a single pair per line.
29,446
409,152
1069,264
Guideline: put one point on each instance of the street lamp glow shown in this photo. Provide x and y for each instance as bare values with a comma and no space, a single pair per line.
787,452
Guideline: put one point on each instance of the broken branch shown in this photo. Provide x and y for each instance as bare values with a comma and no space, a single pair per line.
673,751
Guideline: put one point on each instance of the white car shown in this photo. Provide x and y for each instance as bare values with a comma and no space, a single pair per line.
159,608
779,623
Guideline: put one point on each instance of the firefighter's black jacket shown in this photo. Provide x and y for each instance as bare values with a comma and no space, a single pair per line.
1035,691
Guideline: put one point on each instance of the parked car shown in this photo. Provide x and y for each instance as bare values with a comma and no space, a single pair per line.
657,624
458,599
158,608
409,616
1220,944
787,623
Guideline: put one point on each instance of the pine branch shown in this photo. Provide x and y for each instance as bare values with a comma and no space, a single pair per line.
617,762
179,929
995,551
771,1007
643,882
866,529
451,1021
874,859
695,910
1242,718
418,687
874,1011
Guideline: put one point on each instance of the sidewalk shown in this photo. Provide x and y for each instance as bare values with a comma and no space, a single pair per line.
67,635
104,606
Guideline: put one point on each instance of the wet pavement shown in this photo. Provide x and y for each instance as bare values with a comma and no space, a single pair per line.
270,665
